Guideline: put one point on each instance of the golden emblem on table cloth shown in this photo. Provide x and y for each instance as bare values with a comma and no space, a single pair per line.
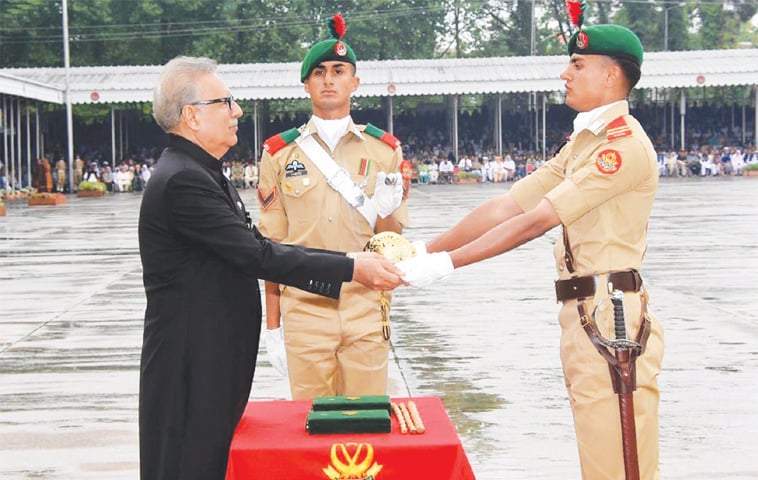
352,461
396,248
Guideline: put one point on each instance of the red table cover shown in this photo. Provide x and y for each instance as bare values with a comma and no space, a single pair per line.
271,443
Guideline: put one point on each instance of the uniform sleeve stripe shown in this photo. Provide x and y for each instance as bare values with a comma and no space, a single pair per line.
266,200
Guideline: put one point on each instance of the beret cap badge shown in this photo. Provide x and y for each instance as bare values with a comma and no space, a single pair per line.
605,39
338,29
333,48
582,41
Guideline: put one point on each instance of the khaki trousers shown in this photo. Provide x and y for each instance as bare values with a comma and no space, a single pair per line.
334,347
593,402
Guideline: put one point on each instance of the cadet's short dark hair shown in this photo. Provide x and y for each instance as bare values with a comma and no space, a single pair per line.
631,70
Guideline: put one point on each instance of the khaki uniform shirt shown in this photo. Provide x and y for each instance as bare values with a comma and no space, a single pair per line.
602,184
298,206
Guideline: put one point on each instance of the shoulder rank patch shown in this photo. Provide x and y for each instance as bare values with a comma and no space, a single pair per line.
608,161
618,128
386,137
267,199
277,142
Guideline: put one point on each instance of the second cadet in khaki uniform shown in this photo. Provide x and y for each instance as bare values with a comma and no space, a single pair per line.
333,347
600,187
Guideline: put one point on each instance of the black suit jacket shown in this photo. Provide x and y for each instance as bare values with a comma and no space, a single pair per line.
201,264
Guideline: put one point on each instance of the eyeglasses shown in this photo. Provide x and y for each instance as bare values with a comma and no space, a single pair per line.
229,101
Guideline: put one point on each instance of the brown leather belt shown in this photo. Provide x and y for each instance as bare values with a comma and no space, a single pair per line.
582,287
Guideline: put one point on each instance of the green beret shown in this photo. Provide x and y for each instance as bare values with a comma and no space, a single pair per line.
611,40
323,51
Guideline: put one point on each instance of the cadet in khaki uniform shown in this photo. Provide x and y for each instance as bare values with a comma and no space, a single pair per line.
600,187
60,167
333,347
78,172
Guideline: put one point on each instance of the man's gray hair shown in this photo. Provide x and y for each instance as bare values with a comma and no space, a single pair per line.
177,87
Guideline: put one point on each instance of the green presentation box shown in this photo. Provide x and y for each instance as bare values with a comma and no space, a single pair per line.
348,421
341,402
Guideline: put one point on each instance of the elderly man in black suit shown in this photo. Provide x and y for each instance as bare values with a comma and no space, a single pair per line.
201,261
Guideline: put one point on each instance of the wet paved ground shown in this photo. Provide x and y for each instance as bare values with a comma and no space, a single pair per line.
485,339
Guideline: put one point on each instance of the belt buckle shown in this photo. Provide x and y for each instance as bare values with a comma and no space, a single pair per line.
608,284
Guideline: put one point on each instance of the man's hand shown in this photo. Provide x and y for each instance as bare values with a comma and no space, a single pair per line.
273,340
375,271
422,270
388,193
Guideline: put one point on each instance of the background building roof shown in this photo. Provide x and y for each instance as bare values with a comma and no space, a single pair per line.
24,87
260,81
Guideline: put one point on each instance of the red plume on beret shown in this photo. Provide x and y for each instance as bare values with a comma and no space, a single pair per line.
336,26
576,11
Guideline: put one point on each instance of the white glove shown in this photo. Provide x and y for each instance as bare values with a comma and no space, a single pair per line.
420,247
422,270
273,340
388,193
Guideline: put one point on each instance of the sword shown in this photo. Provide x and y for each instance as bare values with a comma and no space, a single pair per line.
623,375
621,355
395,247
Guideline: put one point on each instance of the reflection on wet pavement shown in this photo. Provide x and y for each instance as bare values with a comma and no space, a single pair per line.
485,339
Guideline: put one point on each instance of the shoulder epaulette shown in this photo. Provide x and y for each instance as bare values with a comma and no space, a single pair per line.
280,140
386,137
617,128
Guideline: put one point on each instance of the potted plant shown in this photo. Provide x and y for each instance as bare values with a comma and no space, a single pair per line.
10,195
91,189
467,177
750,170
46,198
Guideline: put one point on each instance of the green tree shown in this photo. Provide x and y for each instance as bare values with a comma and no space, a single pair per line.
465,25
643,19
30,33
721,23
516,32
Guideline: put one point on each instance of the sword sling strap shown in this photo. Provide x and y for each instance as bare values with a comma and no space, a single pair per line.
589,325
338,178
567,255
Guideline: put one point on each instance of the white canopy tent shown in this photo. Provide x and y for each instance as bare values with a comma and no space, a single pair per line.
449,77
265,81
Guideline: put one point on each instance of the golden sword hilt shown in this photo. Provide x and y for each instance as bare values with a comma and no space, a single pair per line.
396,248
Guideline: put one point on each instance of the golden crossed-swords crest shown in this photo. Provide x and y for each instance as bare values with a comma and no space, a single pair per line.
352,461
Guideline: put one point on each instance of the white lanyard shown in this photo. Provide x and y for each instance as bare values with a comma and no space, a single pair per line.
338,178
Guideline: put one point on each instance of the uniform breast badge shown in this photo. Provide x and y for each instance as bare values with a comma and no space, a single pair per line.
396,248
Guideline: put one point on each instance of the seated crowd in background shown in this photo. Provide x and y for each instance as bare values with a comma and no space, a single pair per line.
706,161
717,149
